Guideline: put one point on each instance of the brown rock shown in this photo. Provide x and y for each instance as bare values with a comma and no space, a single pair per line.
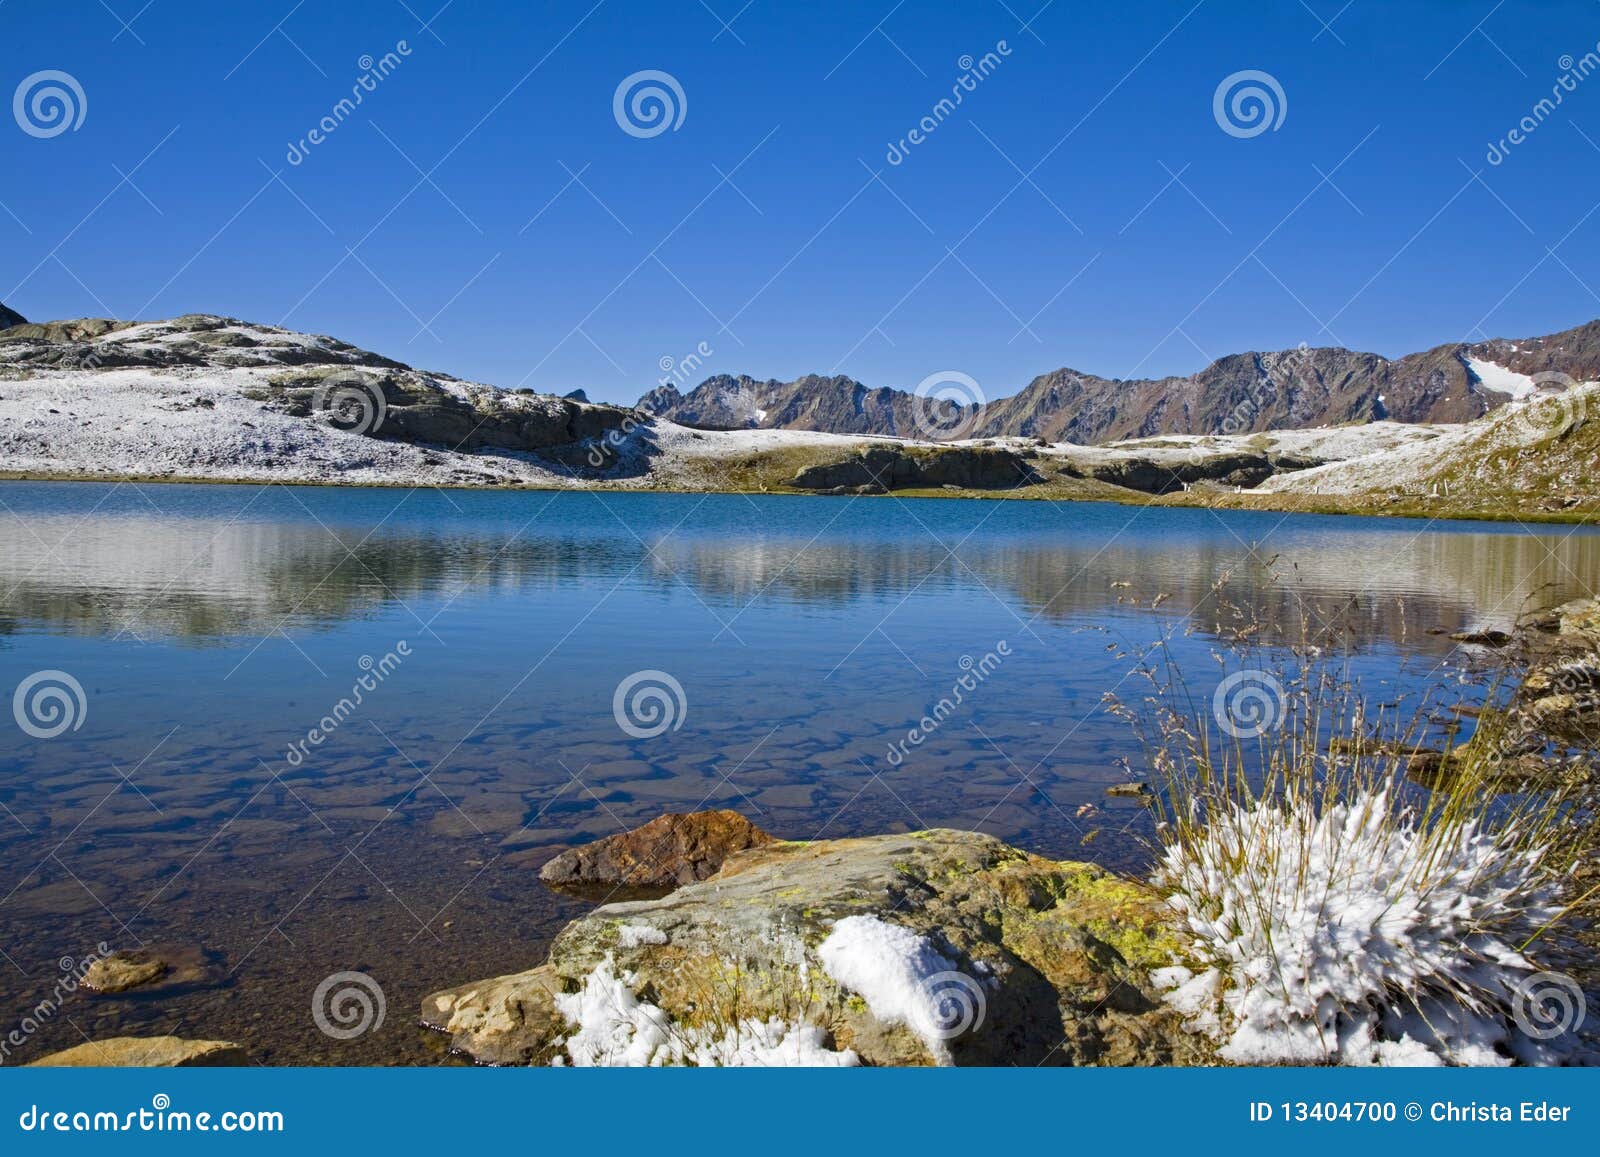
677,848
144,1052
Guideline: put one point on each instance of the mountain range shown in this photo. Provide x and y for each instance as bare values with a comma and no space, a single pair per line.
1240,393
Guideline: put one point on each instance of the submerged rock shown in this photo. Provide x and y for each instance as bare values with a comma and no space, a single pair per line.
674,849
145,1052
123,970
937,947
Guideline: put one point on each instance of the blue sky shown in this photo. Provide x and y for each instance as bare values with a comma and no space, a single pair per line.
482,211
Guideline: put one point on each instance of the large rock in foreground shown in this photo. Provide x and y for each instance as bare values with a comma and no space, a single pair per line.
144,1052
938,947
674,849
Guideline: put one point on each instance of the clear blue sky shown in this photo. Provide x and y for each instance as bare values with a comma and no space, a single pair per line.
802,261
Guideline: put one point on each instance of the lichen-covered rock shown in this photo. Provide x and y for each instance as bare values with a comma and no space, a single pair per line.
677,848
145,1052
937,947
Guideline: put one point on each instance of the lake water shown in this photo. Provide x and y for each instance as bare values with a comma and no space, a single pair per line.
204,802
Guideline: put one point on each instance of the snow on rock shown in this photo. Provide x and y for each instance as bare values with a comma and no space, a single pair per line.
1355,938
1501,380
904,979
633,935
614,1028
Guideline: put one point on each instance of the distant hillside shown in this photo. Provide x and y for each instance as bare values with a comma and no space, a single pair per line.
10,317
1240,393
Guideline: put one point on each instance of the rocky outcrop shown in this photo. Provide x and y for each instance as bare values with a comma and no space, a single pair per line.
936,947
883,468
674,849
1156,476
194,340
10,317
145,1052
418,407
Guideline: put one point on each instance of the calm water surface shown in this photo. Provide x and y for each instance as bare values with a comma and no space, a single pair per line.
213,628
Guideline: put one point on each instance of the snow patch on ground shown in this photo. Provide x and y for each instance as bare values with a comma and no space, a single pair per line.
1354,939
614,1028
1501,380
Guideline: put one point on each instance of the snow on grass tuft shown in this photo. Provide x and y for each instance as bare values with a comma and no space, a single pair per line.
904,979
1352,934
614,1028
